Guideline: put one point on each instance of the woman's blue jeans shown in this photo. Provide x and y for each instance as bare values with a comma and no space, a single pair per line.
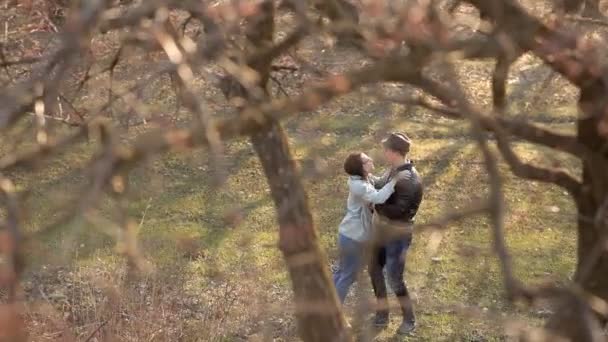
350,263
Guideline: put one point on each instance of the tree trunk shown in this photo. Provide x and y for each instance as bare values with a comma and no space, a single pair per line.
573,321
592,262
342,11
318,310
317,306
592,9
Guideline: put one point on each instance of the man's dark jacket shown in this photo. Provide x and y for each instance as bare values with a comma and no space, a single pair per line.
404,202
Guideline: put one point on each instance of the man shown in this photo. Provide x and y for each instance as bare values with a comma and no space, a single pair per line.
393,227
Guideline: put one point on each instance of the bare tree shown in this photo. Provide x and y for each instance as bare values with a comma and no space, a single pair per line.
240,38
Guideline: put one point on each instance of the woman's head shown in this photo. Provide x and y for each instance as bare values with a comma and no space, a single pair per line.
358,164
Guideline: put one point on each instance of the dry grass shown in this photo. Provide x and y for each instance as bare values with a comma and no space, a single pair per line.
213,281
198,258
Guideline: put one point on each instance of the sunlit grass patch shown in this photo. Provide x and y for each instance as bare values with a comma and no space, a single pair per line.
212,235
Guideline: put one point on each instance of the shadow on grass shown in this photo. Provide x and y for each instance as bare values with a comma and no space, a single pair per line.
187,200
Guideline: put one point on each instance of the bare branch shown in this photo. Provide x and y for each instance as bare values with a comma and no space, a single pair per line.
442,222
519,168
499,82
559,50
529,171
8,63
513,287
520,129
584,20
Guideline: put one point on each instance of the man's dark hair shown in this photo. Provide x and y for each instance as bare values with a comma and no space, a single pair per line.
398,142
353,165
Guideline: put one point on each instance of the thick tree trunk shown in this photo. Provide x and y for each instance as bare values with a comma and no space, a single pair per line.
318,310
317,306
573,321
592,266
592,263
592,9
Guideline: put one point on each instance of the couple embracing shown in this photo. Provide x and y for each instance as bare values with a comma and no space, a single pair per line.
377,229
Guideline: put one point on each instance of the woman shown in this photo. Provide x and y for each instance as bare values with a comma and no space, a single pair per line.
355,228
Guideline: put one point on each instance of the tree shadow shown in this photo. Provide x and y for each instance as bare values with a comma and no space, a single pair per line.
80,239
528,79
431,276
433,169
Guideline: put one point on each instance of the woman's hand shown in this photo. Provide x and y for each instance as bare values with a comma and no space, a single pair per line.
401,176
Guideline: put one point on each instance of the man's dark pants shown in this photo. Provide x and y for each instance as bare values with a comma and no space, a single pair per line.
390,253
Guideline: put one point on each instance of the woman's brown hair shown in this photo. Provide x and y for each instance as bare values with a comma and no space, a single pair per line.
353,165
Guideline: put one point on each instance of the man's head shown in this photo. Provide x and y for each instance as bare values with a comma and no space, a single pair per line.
396,147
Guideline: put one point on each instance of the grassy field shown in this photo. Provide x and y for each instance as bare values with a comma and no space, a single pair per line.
217,274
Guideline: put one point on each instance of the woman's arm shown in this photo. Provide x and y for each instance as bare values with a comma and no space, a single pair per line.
370,194
397,209
379,182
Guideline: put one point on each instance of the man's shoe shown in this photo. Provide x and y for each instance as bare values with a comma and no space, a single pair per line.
407,327
381,320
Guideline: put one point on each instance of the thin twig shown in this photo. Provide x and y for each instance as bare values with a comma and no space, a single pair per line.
103,324
12,237
442,222
279,85
583,20
59,120
143,216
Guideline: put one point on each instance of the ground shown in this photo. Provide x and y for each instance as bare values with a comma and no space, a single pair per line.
201,265
215,273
